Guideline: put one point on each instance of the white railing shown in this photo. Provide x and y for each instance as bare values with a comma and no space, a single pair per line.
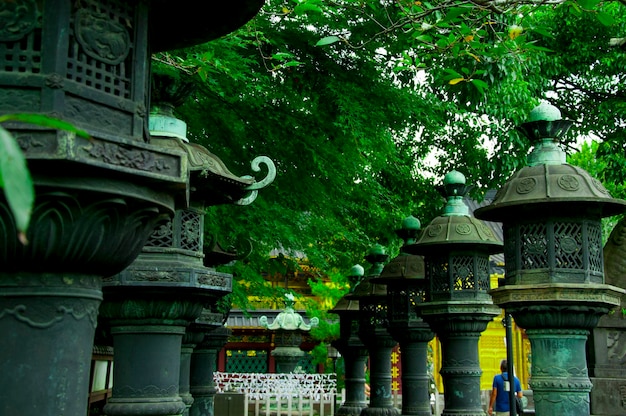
282,394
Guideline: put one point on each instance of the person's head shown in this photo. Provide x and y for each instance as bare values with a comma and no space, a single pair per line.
503,365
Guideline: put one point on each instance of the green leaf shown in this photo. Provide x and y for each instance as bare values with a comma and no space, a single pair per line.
302,8
442,43
480,84
44,121
533,46
588,4
18,185
327,40
423,38
543,32
281,56
605,18
452,73
454,13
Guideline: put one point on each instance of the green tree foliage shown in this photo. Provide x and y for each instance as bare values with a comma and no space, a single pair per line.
364,106
590,159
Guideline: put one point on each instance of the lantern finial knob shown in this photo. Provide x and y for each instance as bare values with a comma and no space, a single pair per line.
454,177
411,223
544,112
409,230
545,128
356,271
454,189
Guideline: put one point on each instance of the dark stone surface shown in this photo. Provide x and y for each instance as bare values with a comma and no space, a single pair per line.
189,22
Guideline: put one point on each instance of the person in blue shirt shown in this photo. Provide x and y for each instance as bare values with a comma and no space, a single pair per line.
500,392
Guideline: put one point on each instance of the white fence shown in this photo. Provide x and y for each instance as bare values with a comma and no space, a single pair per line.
282,394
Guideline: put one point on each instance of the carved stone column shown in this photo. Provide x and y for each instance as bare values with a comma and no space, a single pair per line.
554,286
149,305
204,363
457,307
97,199
351,348
373,325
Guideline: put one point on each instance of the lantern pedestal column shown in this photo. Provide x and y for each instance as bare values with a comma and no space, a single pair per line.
287,353
48,323
415,379
203,365
51,288
351,348
355,361
458,328
189,342
557,319
380,345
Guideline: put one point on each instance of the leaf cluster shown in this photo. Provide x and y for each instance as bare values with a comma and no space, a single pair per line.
365,105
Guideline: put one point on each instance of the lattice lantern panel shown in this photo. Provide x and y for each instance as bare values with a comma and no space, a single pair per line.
373,314
162,236
554,251
183,233
87,65
458,275
402,302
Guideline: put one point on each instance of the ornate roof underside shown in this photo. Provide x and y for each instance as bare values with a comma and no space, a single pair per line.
182,23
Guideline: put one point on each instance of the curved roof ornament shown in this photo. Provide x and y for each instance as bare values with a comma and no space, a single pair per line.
254,187
210,181
289,319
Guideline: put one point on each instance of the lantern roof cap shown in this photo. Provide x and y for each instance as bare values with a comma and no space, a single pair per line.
211,181
345,305
357,271
409,230
453,190
454,177
348,301
288,319
402,270
455,227
376,256
376,250
411,223
548,183
404,267
369,289
182,23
